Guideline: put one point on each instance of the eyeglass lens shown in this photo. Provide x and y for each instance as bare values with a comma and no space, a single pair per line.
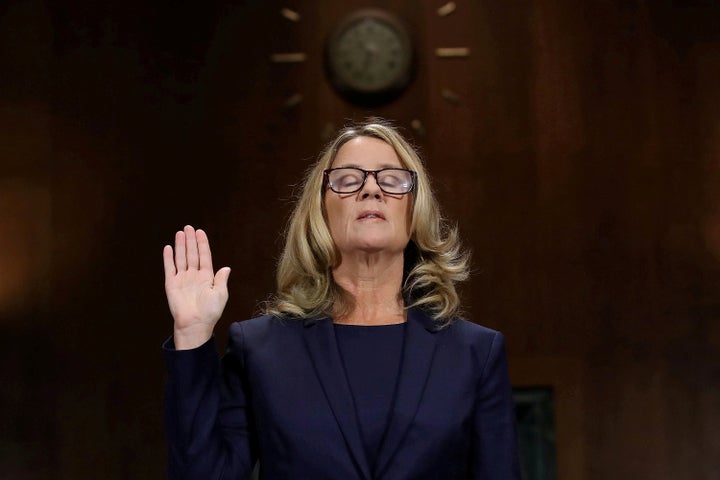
390,180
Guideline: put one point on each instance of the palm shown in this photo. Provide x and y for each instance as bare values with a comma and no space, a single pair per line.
196,296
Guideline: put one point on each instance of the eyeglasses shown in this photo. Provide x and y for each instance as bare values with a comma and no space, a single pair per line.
394,181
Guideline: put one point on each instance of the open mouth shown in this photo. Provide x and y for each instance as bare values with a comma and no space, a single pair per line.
371,214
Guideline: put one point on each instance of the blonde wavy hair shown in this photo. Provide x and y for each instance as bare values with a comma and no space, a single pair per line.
434,260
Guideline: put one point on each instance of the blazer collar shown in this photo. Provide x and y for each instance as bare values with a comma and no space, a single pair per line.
418,352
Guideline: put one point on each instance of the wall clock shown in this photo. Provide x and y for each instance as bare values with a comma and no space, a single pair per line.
369,57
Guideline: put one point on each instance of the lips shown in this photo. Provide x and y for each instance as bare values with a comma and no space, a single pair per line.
368,214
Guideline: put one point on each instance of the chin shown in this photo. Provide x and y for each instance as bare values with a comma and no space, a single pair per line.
379,247
373,242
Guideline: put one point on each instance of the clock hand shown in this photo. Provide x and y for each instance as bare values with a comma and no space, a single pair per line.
371,48
370,51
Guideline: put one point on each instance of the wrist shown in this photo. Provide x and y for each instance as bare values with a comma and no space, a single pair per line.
191,336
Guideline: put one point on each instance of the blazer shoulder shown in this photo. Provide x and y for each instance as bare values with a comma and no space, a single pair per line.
486,345
260,324
262,330
473,332
252,323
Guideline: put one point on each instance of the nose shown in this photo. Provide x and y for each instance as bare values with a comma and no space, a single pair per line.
371,188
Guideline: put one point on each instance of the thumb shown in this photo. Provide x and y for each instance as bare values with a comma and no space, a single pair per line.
221,278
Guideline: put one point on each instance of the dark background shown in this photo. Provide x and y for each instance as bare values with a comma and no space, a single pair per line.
580,162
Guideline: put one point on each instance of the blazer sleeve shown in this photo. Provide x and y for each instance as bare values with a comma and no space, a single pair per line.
207,414
495,455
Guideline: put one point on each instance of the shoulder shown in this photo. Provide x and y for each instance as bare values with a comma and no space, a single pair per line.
457,331
264,333
467,327
263,325
462,329
485,345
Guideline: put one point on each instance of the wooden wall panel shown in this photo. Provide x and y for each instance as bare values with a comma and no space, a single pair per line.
580,162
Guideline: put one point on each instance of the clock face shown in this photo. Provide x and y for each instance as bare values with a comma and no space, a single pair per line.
369,57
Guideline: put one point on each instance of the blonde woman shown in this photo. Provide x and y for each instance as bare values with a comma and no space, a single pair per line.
361,368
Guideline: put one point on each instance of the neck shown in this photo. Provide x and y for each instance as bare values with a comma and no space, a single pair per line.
375,282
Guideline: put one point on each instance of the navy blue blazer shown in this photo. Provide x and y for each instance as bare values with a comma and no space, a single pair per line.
280,395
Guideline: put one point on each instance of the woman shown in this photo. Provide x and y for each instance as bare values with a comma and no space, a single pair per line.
360,368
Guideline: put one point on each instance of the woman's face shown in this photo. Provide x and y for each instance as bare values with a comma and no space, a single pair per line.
368,220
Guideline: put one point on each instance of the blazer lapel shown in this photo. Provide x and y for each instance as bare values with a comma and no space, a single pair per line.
323,350
417,357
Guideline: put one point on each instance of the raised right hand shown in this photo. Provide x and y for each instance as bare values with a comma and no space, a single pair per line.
196,296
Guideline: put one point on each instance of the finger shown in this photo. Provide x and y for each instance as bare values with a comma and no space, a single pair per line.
168,262
204,250
180,258
192,249
221,278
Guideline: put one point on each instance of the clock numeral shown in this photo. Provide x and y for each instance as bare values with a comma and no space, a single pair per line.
452,52
418,126
293,101
291,15
446,9
294,57
450,96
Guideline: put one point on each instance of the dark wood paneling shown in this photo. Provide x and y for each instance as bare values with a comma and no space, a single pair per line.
580,163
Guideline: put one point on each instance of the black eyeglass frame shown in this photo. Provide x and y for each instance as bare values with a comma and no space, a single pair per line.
326,179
